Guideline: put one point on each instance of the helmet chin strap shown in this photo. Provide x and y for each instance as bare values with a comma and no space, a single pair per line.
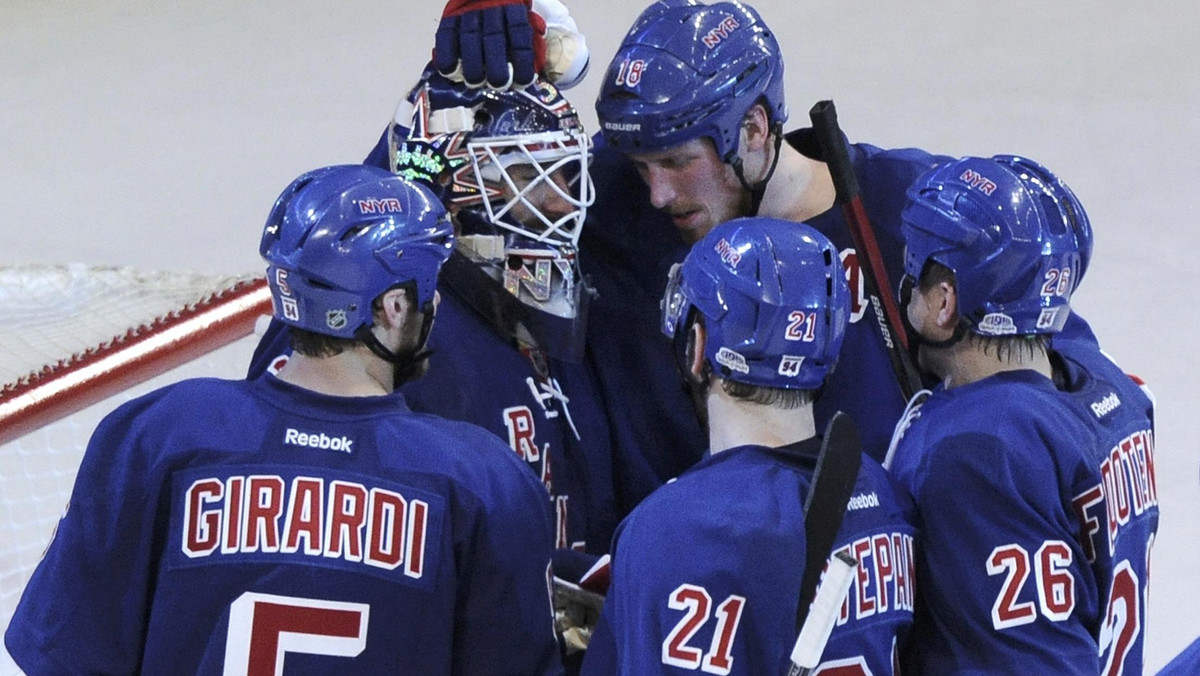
410,363
695,386
759,189
916,340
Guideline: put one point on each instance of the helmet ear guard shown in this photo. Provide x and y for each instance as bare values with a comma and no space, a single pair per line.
1015,237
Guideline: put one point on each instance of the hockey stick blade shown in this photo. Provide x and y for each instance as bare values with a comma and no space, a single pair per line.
874,274
833,482
806,653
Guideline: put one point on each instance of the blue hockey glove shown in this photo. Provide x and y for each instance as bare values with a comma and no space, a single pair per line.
498,43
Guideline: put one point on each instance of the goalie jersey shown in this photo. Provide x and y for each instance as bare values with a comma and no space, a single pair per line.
706,571
248,526
1038,510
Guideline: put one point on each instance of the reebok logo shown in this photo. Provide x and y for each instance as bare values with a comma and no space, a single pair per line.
862,501
319,440
1106,405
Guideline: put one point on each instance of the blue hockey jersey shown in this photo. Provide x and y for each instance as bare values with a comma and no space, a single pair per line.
546,409
1038,508
256,527
706,571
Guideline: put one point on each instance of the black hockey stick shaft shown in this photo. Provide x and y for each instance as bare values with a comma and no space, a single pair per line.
833,481
871,266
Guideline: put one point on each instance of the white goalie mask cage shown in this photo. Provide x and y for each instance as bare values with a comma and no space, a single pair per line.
535,185
512,167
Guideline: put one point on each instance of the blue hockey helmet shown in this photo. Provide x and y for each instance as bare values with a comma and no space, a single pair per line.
340,236
687,70
774,299
1014,235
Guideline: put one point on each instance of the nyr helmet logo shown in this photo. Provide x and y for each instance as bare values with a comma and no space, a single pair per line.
978,181
388,205
728,254
722,31
335,319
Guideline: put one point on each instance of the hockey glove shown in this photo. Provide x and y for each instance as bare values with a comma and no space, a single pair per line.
498,43
579,599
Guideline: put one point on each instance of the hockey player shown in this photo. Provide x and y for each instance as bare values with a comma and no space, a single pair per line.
310,520
692,113
1031,463
706,571
508,347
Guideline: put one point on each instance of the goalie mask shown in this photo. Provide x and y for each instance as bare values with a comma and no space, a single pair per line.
512,168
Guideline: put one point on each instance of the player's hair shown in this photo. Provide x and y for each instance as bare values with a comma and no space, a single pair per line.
774,397
1013,349
1014,235
687,70
313,344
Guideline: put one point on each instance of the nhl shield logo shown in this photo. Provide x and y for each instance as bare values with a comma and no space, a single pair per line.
335,319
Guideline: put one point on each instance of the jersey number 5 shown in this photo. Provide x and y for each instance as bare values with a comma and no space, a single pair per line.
263,628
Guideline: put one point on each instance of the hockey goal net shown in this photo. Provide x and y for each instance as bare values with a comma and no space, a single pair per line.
77,341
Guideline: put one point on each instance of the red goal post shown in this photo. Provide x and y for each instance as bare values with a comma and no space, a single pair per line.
76,341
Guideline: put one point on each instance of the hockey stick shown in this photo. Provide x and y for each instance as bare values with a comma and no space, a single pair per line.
832,483
875,277
806,654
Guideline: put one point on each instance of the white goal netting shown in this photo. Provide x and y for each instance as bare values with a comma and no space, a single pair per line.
77,342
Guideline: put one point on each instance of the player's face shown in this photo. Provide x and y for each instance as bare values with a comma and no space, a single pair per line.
545,195
693,186
921,311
